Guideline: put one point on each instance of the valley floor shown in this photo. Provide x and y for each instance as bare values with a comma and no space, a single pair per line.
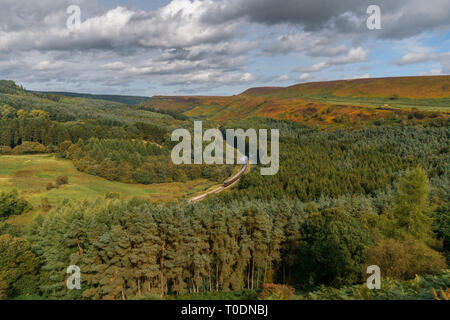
29,175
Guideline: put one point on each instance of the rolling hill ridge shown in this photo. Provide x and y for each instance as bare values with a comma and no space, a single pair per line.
319,102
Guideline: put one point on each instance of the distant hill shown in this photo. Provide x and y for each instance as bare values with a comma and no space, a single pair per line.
129,100
78,107
426,87
262,91
319,102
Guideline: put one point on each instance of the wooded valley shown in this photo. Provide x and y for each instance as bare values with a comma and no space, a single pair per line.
366,191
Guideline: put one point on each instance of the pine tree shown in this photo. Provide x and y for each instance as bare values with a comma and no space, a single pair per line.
411,206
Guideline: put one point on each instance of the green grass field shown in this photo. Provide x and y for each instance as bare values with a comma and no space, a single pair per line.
29,175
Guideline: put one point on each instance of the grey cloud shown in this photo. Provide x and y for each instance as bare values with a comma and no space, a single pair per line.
400,18
224,56
353,55
38,25
219,51
415,17
323,50
313,15
211,79
165,45
309,43
203,43
118,28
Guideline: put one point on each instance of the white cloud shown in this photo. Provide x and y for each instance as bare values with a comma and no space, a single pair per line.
354,55
314,68
412,58
283,77
432,72
177,24
310,43
49,65
117,65
125,43
210,79
305,77
442,59
363,76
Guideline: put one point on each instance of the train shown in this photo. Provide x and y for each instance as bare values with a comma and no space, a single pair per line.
236,177
224,185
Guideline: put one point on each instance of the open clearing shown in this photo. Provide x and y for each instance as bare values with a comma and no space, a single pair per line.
29,175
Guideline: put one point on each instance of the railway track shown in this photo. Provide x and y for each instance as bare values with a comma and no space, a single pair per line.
226,184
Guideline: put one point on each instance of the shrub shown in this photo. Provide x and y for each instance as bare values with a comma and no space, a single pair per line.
143,176
273,291
49,186
63,147
45,205
17,264
445,294
12,229
442,225
404,258
419,115
393,97
62,180
28,147
11,204
244,294
5,150
420,288
112,195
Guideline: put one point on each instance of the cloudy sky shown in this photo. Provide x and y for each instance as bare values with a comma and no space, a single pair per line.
211,47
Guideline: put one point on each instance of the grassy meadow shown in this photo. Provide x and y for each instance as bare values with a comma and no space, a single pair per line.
29,175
